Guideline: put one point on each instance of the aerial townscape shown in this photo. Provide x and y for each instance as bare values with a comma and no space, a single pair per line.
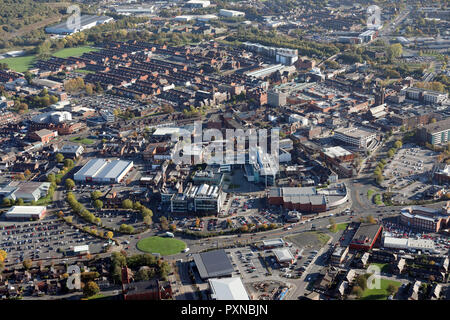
224,150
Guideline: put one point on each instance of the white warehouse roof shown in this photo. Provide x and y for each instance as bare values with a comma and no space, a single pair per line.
103,170
283,255
228,289
81,248
25,211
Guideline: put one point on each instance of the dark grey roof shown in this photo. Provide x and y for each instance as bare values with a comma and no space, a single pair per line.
213,264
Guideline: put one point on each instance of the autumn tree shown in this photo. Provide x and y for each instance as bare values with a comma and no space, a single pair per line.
164,223
3,255
59,157
90,289
358,291
391,289
70,184
27,263
98,204
127,204
96,195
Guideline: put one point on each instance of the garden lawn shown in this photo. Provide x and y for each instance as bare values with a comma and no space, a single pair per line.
379,294
163,246
73,52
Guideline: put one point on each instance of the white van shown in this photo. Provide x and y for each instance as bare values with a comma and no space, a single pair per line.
186,250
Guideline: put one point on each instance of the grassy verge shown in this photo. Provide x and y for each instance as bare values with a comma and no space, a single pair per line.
377,199
370,193
339,227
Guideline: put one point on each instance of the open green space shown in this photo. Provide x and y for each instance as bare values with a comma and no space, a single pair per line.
23,63
379,294
82,140
19,64
384,267
73,52
322,237
163,246
339,227
377,199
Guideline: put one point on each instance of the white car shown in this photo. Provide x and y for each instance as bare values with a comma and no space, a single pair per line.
186,250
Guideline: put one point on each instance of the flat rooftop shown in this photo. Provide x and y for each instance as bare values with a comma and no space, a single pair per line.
355,132
228,289
213,264
365,234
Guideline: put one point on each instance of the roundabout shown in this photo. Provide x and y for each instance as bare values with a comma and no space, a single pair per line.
162,245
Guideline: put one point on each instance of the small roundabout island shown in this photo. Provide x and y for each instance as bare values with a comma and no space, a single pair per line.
162,245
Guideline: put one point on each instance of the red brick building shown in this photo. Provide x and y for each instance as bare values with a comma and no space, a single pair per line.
366,236
43,135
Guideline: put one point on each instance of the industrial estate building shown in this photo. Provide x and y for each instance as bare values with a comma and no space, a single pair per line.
231,13
25,213
103,171
86,22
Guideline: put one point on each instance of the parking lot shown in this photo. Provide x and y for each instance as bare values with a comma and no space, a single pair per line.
409,163
247,263
242,211
441,242
45,239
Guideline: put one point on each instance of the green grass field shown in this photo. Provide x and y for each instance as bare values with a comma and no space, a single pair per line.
19,64
384,267
82,140
22,64
163,246
73,52
379,294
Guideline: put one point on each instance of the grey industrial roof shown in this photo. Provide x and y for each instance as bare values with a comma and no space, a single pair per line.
91,167
213,264
84,20
102,168
113,169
